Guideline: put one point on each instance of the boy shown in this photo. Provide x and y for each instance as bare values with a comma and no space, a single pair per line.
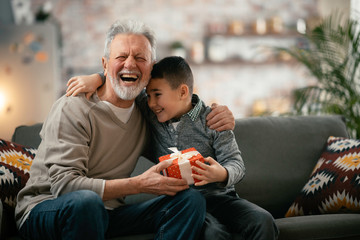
178,119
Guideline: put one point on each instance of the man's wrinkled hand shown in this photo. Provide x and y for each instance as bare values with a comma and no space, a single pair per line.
154,183
220,118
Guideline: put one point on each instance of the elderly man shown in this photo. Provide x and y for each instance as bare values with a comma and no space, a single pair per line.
89,148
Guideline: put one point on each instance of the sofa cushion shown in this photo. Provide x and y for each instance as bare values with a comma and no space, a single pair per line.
279,154
320,227
334,184
15,162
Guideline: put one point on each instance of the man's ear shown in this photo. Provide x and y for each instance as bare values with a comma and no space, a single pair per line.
104,63
184,91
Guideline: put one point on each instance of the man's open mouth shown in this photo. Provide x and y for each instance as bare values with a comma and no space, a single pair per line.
127,77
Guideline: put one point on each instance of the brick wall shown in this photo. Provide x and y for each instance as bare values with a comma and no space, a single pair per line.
84,22
240,86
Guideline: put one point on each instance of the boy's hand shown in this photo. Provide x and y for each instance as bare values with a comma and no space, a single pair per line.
220,118
83,84
213,172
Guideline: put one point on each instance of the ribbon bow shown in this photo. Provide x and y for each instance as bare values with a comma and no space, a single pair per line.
182,157
183,163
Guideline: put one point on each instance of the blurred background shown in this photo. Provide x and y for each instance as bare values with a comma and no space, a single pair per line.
228,43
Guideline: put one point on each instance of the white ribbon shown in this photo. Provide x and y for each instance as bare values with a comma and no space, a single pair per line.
183,162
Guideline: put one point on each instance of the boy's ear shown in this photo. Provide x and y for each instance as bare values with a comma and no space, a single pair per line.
104,63
184,91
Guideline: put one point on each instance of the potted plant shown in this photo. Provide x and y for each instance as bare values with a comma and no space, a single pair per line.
178,49
333,58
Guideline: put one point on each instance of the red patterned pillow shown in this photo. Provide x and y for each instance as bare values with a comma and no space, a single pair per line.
15,162
334,185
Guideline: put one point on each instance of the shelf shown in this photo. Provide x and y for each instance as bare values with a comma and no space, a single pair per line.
287,34
253,49
239,62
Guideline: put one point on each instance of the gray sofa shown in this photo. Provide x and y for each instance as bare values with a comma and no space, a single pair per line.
279,155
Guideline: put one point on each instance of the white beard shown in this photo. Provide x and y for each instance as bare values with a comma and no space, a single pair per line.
127,93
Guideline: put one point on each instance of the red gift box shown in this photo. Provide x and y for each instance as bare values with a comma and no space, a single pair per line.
181,164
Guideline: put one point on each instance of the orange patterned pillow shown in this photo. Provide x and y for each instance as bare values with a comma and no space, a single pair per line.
334,185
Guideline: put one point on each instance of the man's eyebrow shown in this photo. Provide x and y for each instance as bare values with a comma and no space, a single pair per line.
139,54
120,54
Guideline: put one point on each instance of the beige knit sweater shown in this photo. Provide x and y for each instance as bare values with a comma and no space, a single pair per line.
83,144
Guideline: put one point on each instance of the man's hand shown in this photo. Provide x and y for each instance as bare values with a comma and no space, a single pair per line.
220,118
150,181
153,182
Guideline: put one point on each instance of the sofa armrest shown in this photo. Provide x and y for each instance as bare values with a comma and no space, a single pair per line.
28,135
1,219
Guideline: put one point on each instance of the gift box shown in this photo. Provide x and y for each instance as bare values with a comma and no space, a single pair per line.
181,164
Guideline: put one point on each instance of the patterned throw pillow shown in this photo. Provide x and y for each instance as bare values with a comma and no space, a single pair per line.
334,185
15,162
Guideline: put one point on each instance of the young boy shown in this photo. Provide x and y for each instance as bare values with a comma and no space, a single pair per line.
178,119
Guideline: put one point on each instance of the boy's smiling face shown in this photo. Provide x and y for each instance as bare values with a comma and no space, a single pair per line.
165,102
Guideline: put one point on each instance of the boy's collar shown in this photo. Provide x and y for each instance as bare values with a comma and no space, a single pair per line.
194,113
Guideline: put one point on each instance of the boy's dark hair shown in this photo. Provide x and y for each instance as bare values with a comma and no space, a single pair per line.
175,70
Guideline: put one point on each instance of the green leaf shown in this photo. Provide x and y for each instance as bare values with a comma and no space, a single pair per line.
333,58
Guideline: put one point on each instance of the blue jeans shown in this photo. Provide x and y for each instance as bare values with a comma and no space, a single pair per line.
82,215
